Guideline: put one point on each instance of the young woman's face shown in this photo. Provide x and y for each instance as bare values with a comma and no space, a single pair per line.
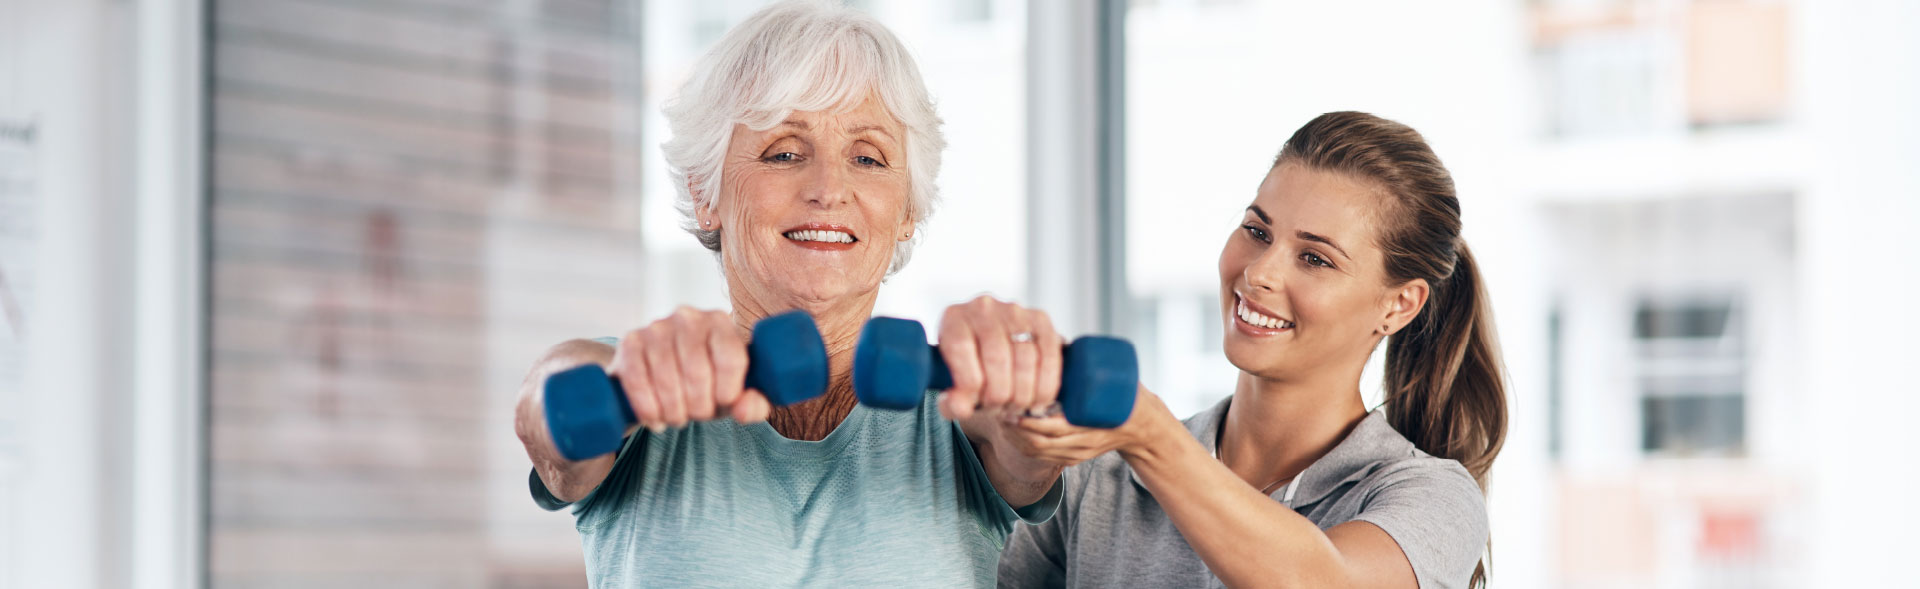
811,209
1302,287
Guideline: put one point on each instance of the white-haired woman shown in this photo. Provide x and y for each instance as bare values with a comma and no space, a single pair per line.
805,148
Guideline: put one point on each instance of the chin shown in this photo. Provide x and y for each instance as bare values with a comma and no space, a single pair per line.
827,284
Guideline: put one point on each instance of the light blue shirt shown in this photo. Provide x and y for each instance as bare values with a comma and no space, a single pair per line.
890,498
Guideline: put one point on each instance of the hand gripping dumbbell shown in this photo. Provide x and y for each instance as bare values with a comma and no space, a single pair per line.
893,366
588,413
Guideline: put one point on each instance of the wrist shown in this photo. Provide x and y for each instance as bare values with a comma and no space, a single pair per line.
1156,432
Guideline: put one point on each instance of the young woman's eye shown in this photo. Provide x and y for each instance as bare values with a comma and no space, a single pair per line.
1315,259
784,157
1256,232
868,161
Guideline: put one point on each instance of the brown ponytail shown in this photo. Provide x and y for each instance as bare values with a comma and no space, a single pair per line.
1445,386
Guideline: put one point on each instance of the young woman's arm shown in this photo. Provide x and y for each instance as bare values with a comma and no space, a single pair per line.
1246,538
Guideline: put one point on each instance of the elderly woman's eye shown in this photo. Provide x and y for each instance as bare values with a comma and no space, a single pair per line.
868,161
784,156
1255,232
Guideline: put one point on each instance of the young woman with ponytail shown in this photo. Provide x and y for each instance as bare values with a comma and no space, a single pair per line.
1353,238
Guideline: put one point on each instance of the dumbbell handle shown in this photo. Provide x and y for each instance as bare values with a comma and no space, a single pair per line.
588,412
1076,399
620,396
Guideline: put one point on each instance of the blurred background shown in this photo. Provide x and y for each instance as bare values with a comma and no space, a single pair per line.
271,270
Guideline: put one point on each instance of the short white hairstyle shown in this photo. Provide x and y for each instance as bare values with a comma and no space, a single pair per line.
798,55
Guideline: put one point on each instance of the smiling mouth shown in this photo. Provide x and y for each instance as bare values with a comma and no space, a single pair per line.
821,236
1255,319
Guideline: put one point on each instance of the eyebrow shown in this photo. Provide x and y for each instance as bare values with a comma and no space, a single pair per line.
854,130
1304,235
1319,239
858,129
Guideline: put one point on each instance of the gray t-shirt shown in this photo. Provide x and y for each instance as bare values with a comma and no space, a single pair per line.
889,498
1111,533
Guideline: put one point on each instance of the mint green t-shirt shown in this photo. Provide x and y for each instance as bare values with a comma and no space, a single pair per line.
890,498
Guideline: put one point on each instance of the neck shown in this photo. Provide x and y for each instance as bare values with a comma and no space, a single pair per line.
839,322
1275,428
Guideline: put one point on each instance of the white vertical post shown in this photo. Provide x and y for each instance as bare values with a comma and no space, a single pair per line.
168,531
1074,219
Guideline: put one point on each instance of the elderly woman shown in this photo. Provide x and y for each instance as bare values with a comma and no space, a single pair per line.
805,149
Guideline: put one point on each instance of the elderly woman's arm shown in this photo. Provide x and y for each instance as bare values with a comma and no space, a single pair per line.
705,360
568,480
1005,359
1020,479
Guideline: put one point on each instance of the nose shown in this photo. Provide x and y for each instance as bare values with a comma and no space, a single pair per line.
827,186
1268,272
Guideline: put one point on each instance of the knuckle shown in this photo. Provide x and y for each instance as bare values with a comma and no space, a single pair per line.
728,364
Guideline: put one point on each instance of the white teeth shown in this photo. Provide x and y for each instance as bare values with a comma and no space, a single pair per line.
1258,320
828,236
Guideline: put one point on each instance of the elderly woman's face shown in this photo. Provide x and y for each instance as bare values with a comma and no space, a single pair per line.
811,209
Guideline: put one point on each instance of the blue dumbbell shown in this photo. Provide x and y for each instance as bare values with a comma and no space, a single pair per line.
893,367
588,413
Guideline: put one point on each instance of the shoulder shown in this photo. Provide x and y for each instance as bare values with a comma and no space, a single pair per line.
1433,509
1420,471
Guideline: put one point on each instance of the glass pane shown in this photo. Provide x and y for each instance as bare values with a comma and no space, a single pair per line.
409,201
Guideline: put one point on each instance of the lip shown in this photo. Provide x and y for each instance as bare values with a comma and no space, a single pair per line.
821,245
1254,330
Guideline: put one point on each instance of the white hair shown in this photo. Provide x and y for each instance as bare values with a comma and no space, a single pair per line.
799,55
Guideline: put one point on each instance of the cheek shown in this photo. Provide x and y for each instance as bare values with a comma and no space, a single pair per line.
1233,260
888,213
1344,309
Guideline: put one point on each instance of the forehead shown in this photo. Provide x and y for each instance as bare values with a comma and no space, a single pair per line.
1333,204
869,114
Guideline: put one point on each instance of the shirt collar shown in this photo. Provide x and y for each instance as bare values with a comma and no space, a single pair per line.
1365,449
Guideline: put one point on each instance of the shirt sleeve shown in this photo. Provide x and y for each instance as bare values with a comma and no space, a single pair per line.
1438,517
999,516
1036,555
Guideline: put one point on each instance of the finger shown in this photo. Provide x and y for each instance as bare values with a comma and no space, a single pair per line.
629,367
1052,426
1057,451
1024,358
1047,343
696,364
996,358
963,363
752,407
665,370
729,353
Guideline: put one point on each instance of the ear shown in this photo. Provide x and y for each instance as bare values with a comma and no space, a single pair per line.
706,218
1403,304
909,222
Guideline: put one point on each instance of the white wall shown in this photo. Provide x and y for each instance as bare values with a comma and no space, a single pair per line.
72,498
1861,264
103,479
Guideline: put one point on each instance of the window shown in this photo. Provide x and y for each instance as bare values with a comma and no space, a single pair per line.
1692,367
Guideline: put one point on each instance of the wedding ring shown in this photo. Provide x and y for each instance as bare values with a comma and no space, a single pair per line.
1023,337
